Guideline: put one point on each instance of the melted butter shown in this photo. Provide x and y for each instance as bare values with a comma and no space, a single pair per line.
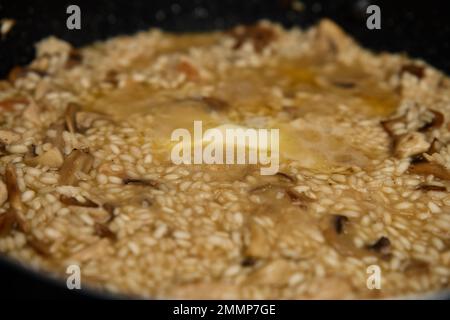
248,90
313,147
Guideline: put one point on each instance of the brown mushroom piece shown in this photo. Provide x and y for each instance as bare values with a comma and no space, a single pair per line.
389,127
111,210
52,158
297,198
56,138
435,146
436,122
70,117
257,244
330,38
412,68
339,223
409,144
382,246
341,243
269,189
429,168
258,35
431,187
71,201
248,262
19,72
7,221
344,84
74,59
103,231
76,161
141,182
40,247
8,104
3,193
336,235
421,166
286,176
85,120
14,198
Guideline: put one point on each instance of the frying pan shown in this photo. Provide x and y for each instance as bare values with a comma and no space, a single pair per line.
420,29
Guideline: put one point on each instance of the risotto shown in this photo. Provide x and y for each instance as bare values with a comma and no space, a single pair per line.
86,176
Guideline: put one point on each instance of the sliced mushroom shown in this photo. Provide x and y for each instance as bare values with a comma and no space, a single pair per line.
14,198
286,176
297,198
262,188
339,236
8,137
409,144
56,138
74,59
142,182
7,221
344,84
21,72
429,168
330,38
188,69
339,223
84,120
8,104
248,262
431,187
40,247
390,124
110,208
71,201
16,73
111,77
76,161
436,122
382,245
258,35
3,193
414,69
435,146
341,242
414,142
51,158
257,243
103,231
2,149
70,117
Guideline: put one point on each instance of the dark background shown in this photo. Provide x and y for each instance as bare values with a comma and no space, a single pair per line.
419,28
